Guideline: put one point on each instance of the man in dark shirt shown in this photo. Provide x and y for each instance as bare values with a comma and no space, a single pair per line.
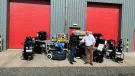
74,41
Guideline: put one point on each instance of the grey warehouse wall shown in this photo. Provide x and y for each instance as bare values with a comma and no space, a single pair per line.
58,14
3,22
0,18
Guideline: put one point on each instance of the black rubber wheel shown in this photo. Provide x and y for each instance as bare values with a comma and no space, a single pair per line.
22,58
100,61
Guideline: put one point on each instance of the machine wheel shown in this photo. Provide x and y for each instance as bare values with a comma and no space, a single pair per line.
29,58
81,56
100,61
22,58
45,52
49,56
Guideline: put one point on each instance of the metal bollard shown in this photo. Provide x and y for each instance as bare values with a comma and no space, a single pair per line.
0,44
127,43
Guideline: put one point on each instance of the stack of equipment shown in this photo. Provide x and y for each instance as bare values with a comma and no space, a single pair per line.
110,49
99,39
40,46
98,52
28,49
80,51
119,55
61,37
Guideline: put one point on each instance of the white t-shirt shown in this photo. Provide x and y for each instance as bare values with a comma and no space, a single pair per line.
89,40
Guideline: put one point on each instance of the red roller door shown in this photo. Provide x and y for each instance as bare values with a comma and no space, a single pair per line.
26,19
103,18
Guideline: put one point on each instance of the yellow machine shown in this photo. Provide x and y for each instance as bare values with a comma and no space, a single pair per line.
61,37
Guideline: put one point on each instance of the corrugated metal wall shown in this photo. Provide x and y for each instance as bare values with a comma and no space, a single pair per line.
108,1
128,19
76,13
3,21
67,12
0,17
57,16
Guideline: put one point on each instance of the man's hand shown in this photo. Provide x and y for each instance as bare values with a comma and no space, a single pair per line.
93,45
81,41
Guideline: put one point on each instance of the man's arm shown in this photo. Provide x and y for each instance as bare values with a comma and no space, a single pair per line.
94,40
74,39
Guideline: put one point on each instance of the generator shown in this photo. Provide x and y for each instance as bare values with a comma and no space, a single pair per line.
40,45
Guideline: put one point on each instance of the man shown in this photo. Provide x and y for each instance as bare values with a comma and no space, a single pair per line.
89,41
74,41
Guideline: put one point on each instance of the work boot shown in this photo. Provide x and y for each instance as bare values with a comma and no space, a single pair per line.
86,63
71,62
74,61
91,64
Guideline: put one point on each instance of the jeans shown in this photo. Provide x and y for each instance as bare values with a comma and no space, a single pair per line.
72,53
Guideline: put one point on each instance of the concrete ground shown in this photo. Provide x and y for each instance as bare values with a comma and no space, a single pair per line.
11,58
68,71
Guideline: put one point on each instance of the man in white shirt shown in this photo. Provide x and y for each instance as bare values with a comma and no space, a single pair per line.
89,41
